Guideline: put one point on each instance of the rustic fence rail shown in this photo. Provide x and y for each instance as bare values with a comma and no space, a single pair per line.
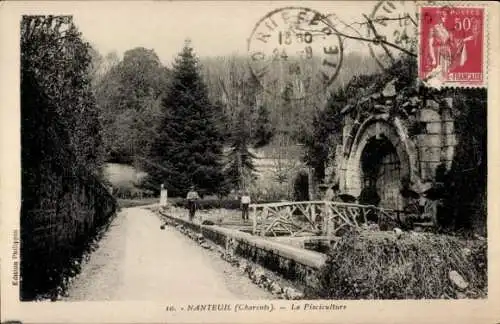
296,218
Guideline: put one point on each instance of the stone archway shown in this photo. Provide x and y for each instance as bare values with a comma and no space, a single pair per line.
380,171
381,156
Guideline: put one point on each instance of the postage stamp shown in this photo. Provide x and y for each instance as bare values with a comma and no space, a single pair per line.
452,46
294,52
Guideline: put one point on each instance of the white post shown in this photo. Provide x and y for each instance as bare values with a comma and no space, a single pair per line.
163,196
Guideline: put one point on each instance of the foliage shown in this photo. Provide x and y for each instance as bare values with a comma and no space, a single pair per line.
465,203
264,130
64,204
224,77
129,96
240,169
379,265
188,146
52,49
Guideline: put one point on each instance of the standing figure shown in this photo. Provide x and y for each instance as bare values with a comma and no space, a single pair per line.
245,202
446,51
192,197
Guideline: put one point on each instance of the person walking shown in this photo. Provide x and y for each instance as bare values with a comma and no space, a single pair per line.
245,202
192,197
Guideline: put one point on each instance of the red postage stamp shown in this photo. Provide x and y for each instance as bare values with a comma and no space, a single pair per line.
452,46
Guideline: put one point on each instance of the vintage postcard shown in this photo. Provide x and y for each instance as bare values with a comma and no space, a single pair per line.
249,162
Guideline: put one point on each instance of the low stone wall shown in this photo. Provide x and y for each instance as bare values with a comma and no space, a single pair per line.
290,262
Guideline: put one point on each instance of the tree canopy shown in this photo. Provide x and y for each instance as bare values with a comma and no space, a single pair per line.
129,95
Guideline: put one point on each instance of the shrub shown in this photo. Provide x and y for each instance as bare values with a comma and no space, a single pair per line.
379,265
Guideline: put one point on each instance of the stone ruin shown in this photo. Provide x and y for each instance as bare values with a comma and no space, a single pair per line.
397,141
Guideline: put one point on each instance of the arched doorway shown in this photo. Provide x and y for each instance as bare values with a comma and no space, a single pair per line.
382,155
380,168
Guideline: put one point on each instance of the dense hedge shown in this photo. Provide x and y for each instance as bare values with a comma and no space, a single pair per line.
64,205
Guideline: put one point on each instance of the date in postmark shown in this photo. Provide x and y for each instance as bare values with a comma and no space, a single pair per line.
452,46
395,22
294,51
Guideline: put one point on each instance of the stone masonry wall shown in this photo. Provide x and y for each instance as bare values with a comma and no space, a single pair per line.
421,131
288,261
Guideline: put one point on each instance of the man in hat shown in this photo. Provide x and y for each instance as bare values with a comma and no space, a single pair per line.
192,197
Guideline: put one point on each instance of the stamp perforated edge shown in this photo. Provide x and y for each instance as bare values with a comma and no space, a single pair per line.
438,4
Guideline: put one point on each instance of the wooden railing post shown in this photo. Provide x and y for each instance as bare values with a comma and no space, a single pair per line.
331,221
326,219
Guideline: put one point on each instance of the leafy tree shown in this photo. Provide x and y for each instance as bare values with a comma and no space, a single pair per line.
189,143
129,96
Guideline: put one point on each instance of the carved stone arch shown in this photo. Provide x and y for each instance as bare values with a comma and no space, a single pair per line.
380,128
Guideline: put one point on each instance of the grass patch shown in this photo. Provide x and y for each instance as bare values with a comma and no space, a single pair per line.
383,265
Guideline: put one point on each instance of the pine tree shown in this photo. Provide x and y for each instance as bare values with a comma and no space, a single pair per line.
188,149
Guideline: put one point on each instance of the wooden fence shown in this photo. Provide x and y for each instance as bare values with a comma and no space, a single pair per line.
298,218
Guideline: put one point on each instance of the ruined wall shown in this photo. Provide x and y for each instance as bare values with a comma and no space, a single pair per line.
421,131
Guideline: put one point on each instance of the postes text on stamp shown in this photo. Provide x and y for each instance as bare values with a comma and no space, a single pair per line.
295,52
452,46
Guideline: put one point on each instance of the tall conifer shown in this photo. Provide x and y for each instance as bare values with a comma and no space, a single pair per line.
188,149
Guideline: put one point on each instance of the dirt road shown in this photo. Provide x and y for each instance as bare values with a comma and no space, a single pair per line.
136,260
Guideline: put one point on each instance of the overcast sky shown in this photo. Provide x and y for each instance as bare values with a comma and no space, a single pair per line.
215,28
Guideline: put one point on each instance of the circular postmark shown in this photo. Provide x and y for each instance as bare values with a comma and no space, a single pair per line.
294,52
395,22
